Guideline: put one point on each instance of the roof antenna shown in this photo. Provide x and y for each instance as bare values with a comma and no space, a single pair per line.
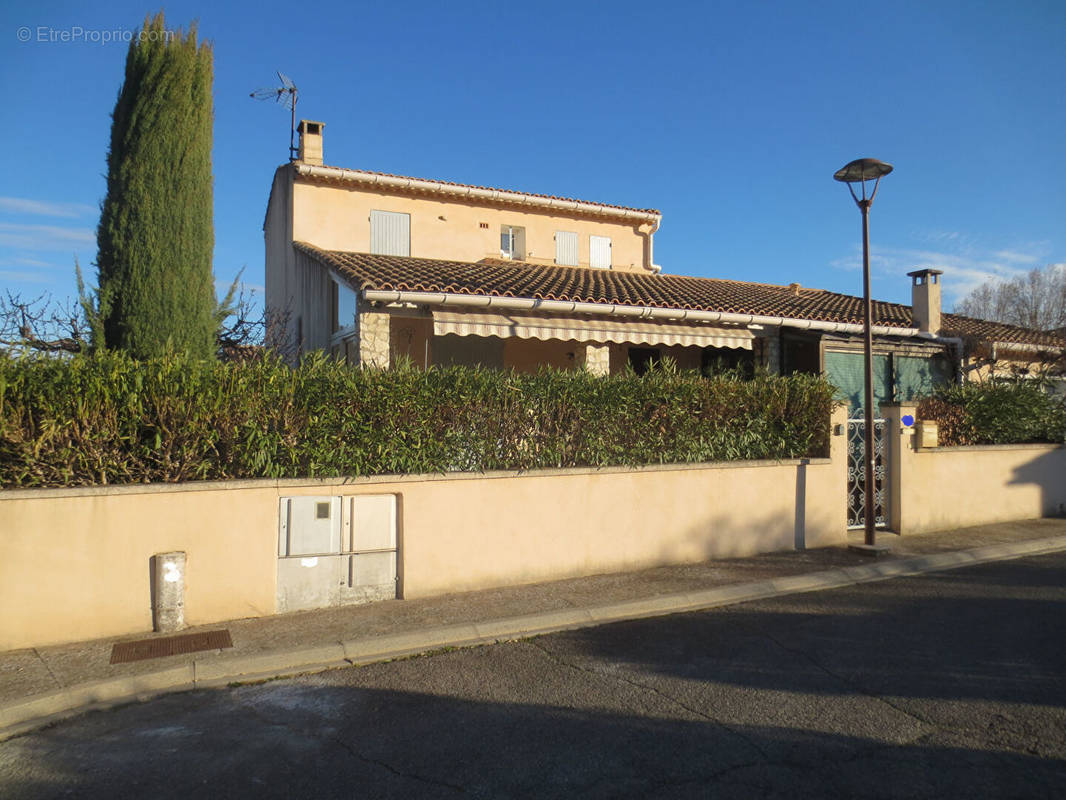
286,93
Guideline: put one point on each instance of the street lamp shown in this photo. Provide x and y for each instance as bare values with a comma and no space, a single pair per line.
859,172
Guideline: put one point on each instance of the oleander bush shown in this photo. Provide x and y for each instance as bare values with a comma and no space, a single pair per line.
108,419
995,412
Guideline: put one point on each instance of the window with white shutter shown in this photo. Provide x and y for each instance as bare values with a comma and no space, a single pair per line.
566,248
600,252
390,233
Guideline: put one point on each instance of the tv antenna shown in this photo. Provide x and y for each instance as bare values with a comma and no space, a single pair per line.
287,93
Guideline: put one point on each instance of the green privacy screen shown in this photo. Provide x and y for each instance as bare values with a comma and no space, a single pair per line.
896,378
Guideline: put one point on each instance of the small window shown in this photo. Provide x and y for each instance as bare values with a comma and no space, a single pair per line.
566,248
600,252
513,242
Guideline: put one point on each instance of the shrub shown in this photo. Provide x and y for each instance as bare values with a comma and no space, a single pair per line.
108,419
997,412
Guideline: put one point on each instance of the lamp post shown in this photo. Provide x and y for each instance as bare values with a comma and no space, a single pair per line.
859,172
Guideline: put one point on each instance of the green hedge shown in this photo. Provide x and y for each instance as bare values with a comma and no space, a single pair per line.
995,412
107,419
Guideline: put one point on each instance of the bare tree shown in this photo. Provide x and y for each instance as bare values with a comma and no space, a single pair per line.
50,325
44,324
1035,300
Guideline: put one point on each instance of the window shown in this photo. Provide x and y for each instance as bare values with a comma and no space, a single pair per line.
566,248
390,233
343,306
513,242
600,252
714,360
641,359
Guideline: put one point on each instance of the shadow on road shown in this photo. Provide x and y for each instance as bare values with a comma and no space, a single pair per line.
306,741
994,633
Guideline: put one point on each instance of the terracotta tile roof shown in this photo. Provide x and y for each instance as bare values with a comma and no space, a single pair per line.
494,189
971,328
497,278
501,278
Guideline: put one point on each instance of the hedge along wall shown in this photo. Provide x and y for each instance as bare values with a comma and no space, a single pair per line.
106,419
996,412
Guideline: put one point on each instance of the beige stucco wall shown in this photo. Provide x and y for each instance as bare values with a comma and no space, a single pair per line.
338,218
953,487
74,564
532,355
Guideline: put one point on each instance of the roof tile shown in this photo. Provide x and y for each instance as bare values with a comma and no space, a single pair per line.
501,278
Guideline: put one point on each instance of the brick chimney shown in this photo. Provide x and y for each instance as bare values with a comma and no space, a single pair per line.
310,151
925,300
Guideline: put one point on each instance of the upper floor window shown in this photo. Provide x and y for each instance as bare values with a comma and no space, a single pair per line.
513,242
566,248
390,233
600,252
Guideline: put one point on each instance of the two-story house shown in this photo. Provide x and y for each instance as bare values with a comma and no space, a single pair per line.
376,268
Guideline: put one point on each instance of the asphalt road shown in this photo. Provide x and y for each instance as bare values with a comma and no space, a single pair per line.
944,685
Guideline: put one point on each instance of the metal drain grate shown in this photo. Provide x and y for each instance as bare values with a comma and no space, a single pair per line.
143,649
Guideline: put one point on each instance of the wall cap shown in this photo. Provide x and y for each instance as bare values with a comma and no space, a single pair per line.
970,448
373,480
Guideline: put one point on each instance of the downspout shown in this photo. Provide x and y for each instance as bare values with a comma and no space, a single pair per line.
655,268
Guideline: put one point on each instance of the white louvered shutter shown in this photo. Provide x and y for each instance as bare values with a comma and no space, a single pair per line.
390,233
566,248
600,252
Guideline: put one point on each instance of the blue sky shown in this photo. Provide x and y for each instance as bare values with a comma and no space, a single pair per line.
728,117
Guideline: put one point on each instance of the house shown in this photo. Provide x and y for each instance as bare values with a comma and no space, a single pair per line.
377,268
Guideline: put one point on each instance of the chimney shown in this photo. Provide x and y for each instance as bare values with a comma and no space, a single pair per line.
310,151
925,300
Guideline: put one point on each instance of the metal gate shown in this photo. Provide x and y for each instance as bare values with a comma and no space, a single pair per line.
857,474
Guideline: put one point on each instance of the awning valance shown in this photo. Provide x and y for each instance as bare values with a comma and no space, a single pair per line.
590,329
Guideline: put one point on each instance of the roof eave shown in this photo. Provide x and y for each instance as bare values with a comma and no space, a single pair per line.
477,193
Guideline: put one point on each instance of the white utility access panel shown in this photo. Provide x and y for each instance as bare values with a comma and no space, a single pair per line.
336,550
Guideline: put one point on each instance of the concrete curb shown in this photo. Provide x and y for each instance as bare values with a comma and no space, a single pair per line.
25,715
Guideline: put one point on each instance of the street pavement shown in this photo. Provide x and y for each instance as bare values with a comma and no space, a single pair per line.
947,684
41,685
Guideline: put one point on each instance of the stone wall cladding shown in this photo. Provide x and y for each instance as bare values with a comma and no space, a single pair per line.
598,359
374,344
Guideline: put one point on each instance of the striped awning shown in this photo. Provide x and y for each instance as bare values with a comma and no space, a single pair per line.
588,329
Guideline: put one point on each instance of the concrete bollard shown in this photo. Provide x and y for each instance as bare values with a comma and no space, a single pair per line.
168,592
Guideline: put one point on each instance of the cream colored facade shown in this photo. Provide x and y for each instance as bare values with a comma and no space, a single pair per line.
456,533
940,488
337,217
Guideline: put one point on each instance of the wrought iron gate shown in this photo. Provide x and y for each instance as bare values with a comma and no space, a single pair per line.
857,474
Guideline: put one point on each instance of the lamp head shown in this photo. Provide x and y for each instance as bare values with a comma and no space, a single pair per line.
859,171
862,169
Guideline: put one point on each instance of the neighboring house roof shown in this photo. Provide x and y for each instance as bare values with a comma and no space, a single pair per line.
502,278
998,332
470,191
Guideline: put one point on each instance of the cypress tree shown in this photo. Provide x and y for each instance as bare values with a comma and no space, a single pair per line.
156,234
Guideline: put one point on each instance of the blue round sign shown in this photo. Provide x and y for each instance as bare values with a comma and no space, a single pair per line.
908,420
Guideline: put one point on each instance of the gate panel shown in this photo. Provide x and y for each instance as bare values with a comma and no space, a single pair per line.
857,474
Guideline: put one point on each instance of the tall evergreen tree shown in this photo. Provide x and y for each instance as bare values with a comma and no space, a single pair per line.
156,232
